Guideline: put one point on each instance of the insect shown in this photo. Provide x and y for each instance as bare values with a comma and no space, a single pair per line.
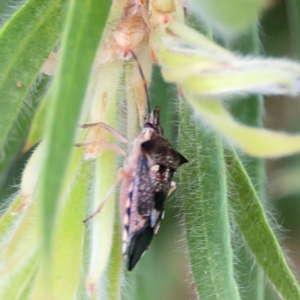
146,182
155,162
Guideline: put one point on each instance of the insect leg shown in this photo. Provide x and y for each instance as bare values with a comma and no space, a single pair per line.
111,130
106,144
120,177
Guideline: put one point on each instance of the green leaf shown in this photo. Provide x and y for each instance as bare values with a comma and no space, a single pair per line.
102,225
26,287
250,217
114,270
196,39
37,128
68,242
204,68
249,111
17,240
20,235
253,141
26,40
6,221
228,18
85,23
18,132
204,193
21,280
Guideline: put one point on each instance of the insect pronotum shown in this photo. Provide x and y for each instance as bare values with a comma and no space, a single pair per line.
146,182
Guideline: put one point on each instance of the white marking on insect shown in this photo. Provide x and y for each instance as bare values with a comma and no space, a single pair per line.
153,217
155,168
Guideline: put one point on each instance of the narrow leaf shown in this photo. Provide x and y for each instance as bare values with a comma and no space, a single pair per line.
102,225
22,278
18,243
114,270
67,243
210,72
19,233
85,23
230,18
204,193
37,128
249,111
6,221
26,287
253,141
196,39
249,215
16,138
26,40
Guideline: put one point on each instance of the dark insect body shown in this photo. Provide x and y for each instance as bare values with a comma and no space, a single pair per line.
148,182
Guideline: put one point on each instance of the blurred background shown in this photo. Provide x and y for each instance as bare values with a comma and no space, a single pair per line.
163,274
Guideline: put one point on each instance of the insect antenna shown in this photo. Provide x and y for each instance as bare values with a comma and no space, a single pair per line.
144,80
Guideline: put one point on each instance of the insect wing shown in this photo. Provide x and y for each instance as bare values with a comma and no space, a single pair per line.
162,152
139,229
139,243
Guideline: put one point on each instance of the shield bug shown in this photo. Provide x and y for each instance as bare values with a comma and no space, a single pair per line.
146,182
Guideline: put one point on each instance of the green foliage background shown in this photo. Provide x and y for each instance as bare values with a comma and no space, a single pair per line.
167,278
